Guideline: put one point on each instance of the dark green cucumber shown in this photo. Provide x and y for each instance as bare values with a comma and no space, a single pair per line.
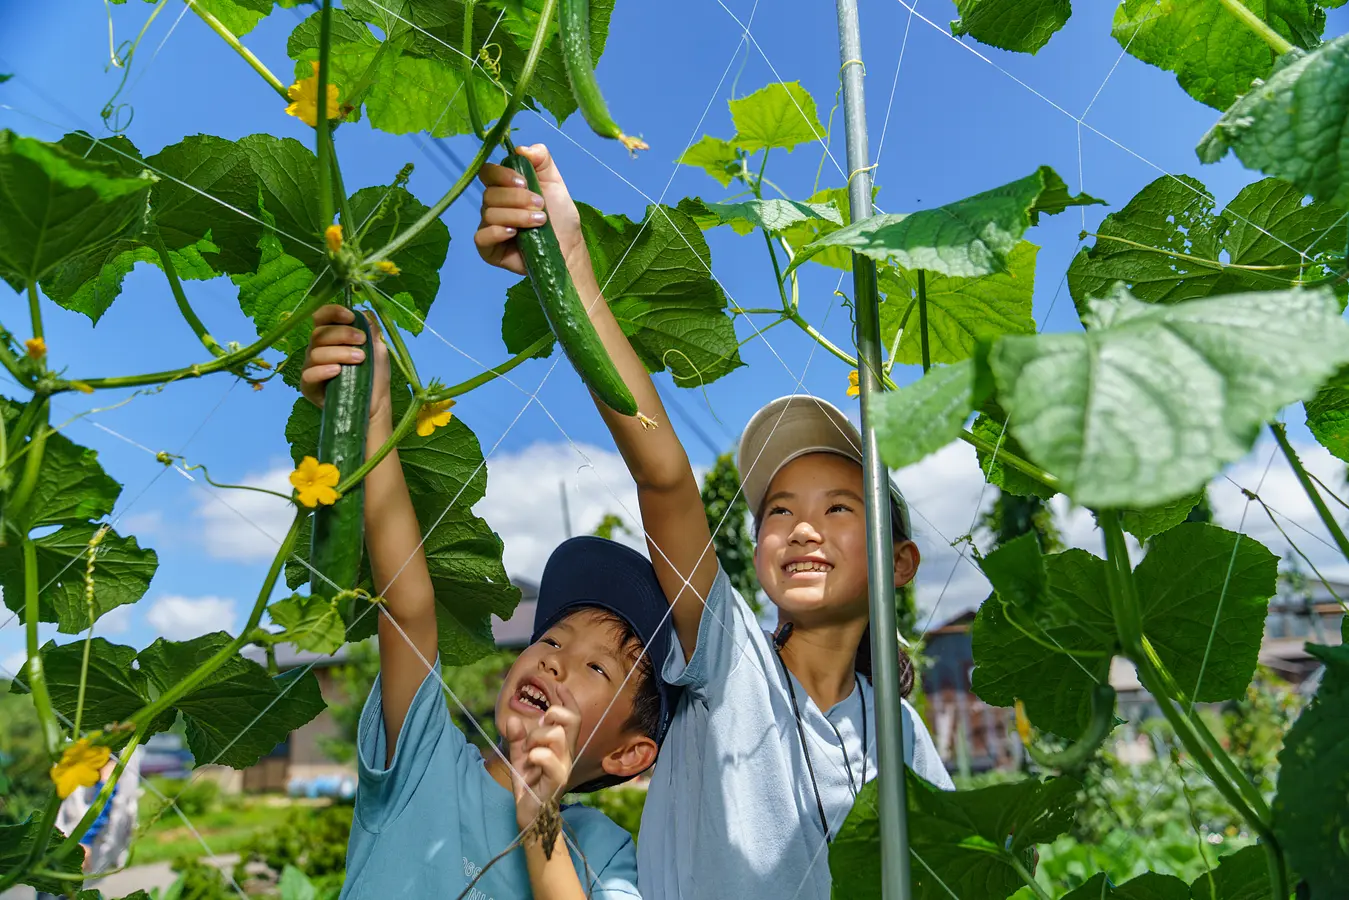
573,18
563,308
1084,748
339,530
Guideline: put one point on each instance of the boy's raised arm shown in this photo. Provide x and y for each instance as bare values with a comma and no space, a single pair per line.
671,503
392,535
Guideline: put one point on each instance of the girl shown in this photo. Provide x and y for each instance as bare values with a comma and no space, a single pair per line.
775,734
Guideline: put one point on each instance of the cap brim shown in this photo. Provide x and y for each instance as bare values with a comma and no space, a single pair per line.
789,428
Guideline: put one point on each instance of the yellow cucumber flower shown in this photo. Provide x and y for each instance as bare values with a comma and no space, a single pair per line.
1022,724
432,416
79,767
387,267
37,347
332,236
315,482
854,389
304,99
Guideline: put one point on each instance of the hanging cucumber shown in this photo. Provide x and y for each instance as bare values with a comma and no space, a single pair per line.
563,308
339,530
1098,728
574,25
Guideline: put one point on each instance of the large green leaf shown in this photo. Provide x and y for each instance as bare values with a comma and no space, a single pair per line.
961,312
803,233
310,623
446,476
1293,125
967,238
278,287
122,573
420,260
773,216
1328,415
15,843
1144,523
55,205
1055,688
1243,875
1017,572
71,486
1215,56
1149,886
714,156
963,842
239,16
1311,816
1168,245
239,713
113,689
1015,25
991,427
657,280
1150,401
1199,584
921,418
780,115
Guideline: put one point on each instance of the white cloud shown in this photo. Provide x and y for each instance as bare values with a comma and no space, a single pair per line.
141,524
11,664
244,525
180,618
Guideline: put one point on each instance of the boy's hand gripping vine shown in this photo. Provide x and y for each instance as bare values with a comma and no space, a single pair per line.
542,756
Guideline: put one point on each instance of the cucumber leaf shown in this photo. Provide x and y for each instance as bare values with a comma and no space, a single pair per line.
773,216
239,713
990,426
15,843
1148,886
1243,875
803,233
966,238
114,689
239,16
657,280
419,261
1188,251
310,623
1144,523
963,842
714,156
71,485
1016,25
1214,55
1150,402
1311,818
122,574
921,418
1293,125
961,312
780,115
1328,415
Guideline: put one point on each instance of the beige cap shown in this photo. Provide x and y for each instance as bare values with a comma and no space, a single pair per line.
791,427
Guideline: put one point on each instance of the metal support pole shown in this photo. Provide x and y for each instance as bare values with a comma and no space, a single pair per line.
895,882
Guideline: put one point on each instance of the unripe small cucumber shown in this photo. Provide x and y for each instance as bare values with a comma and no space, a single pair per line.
574,27
338,538
563,308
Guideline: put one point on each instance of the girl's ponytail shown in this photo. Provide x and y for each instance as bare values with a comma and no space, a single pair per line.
863,664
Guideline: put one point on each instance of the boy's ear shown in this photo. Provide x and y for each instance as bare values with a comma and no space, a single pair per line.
632,757
907,559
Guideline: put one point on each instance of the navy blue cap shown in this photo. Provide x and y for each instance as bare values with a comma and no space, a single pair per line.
591,571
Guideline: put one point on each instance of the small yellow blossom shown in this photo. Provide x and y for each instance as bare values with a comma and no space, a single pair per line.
37,347
432,416
1022,724
387,267
82,387
80,766
854,388
304,99
333,236
315,482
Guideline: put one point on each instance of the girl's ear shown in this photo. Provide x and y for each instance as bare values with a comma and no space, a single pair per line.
907,559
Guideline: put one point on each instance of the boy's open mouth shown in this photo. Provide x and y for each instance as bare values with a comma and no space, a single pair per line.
532,695
806,565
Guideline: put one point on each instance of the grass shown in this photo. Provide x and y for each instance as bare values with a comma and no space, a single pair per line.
225,830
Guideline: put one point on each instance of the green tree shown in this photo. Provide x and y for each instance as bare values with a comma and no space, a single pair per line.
1012,516
24,782
728,518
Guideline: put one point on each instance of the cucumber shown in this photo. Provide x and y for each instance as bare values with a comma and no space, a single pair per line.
339,530
563,308
574,25
1098,729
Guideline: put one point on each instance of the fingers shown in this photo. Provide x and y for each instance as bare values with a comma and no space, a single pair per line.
333,313
493,175
335,335
554,769
543,162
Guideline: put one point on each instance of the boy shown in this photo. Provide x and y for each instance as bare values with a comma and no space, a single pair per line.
580,709
775,734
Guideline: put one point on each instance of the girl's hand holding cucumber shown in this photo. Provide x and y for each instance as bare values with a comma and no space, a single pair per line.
336,342
508,206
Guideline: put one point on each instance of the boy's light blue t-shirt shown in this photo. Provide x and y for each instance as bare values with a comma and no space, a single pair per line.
731,813
428,822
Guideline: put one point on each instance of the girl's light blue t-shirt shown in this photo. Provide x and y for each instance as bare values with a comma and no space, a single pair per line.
730,812
433,818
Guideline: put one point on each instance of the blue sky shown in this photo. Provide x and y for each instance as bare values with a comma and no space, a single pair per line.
959,123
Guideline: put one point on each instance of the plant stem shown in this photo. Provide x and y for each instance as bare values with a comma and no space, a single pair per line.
229,360
180,296
777,275
409,420
474,114
225,653
44,833
796,318
35,309
1030,470
32,466
1215,264
104,795
322,128
37,677
1027,877
1276,41
1124,606
1336,532
11,364
497,134
218,27
395,339
922,319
